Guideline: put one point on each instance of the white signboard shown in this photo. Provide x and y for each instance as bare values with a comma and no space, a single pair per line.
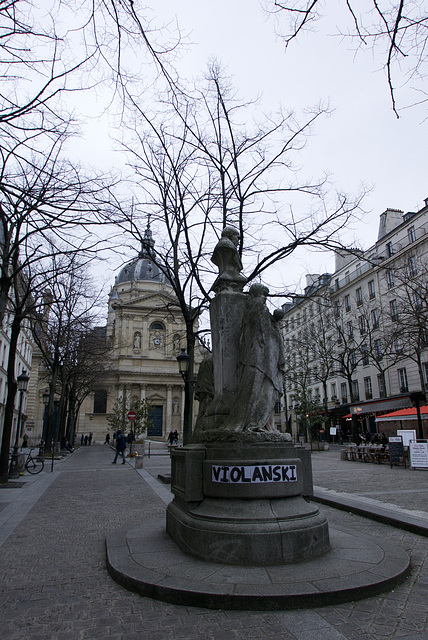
333,431
407,435
255,473
419,454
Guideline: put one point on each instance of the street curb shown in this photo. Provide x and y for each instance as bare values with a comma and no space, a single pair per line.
395,518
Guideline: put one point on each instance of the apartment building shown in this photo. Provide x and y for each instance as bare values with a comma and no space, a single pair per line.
356,341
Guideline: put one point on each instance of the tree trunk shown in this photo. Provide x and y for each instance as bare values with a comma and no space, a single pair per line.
188,384
12,387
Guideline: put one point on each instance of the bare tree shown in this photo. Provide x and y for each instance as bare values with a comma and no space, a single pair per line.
396,31
64,333
378,345
408,312
43,202
199,168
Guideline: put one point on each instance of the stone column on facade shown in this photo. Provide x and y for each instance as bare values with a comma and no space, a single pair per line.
168,407
145,337
143,391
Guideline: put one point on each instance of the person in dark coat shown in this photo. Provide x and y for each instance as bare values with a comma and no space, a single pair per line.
120,448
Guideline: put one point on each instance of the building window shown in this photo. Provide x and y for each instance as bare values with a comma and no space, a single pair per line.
100,401
350,329
343,392
277,408
381,386
425,370
372,292
355,390
393,309
334,390
362,325
402,380
365,354
411,234
353,359
157,326
389,250
348,303
368,388
390,282
418,299
413,268
336,310
359,296
399,345
375,318
304,315
378,349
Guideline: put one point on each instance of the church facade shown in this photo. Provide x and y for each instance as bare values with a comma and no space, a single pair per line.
146,332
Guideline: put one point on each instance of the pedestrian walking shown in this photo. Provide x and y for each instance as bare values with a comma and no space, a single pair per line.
90,438
120,448
86,441
107,440
82,439
24,444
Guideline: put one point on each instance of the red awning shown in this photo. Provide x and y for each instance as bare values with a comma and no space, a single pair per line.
404,414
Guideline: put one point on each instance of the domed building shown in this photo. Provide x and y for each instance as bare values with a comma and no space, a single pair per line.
146,331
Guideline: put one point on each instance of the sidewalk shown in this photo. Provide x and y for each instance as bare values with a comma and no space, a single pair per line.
55,583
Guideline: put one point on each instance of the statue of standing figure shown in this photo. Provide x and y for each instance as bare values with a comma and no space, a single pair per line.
261,367
247,346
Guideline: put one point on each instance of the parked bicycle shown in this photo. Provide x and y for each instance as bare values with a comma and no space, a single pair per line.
34,464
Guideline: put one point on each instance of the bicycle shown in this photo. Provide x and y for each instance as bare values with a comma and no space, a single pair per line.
34,465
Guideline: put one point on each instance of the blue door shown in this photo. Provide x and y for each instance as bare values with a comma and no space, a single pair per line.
155,415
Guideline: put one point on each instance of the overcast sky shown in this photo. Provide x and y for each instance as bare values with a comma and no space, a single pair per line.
362,142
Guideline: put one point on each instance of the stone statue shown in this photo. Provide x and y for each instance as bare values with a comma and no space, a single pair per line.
261,367
226,258
204,392
137,341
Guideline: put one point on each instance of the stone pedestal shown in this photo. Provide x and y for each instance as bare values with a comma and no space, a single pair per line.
244,504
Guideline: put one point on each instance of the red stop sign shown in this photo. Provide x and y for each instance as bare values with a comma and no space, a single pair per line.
131,415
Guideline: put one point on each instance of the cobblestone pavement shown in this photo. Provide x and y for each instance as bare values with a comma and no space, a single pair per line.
55,584
405,488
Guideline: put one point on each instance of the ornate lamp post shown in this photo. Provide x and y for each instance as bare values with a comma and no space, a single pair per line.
183,360
22,381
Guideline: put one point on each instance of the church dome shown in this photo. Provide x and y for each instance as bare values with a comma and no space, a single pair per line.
143,267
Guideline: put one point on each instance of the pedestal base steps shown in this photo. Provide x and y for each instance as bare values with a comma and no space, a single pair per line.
144,559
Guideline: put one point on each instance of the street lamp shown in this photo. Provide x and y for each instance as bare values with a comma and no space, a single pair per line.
22,381
183,363
183,360
45,399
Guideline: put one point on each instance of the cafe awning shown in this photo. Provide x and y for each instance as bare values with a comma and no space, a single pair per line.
404,414
380,406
